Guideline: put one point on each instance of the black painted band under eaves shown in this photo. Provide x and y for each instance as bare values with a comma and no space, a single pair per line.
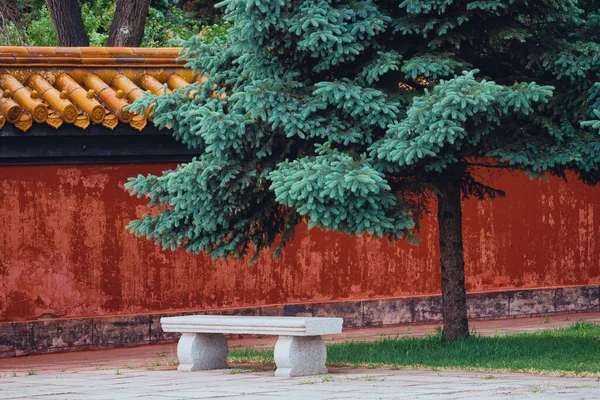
43,144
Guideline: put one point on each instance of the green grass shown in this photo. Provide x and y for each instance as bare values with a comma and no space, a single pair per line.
537,389
234,371
572,350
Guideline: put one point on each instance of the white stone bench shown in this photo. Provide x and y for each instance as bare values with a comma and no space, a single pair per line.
299,351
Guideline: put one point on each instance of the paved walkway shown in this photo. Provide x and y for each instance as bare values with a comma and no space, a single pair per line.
149,372
338,385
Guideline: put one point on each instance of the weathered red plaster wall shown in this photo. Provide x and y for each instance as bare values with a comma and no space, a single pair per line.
64,250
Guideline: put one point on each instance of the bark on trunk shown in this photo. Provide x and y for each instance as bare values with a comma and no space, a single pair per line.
454,296
68,23
127,27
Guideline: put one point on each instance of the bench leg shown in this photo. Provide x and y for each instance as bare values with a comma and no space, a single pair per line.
201,351
300,356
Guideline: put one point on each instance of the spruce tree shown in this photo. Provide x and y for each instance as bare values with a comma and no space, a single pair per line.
351,115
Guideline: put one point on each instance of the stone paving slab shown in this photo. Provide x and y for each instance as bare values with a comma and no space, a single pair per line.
148,372
340,384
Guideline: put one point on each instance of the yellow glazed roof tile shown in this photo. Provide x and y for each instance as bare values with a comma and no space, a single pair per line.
62,86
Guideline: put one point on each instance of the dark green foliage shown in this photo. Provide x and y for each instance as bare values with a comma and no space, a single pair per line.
349,113
203,10
29,22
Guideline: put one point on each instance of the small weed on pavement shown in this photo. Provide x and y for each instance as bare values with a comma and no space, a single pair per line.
234,371
489,376
324,379
537,389
373,378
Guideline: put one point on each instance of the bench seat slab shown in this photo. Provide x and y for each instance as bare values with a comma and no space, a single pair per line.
202,351
300,356
226,324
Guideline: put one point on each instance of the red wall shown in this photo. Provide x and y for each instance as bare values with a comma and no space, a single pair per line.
64,250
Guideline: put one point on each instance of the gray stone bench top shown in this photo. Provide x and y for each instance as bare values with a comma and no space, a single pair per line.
299,351
281,326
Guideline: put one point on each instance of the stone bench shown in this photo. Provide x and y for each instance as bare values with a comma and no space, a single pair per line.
299,351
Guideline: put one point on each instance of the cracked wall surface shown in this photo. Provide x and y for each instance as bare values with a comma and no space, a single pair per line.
65,252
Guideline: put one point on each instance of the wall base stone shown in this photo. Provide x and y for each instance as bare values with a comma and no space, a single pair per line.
57,335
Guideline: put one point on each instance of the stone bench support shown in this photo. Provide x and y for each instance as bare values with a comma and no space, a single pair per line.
299,351
201,351
300,356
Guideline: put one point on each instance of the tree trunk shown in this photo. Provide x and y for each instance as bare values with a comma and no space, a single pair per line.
127,28
68,23
454,296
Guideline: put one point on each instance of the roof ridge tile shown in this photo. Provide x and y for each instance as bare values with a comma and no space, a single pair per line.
22,56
